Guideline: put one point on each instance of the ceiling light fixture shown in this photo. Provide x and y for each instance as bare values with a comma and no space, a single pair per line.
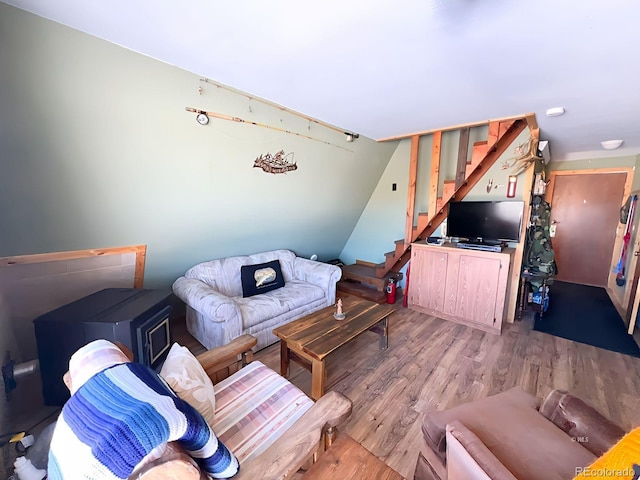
611,144
555,111
351,136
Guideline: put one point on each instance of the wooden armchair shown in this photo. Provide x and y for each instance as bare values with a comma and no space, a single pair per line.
301,444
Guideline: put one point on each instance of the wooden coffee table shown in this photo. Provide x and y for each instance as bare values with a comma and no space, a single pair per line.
309,340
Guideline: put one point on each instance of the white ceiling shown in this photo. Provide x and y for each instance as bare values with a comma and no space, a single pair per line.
383,68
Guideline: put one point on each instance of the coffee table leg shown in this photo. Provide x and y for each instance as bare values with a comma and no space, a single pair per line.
284,359
384,337
317,379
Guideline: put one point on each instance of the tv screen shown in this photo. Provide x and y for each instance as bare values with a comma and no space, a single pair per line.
490,221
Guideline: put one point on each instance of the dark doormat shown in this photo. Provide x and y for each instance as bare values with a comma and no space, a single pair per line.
585,314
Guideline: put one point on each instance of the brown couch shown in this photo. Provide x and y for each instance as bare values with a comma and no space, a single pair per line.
510,435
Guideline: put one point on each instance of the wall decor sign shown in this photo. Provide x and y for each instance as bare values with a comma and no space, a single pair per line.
278,163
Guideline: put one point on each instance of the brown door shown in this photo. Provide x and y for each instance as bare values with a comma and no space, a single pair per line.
586,212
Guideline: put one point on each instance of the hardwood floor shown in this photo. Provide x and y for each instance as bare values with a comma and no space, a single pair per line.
432,364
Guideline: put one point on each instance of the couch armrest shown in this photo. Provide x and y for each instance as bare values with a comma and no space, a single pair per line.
293,449
278,462
201,297
219,358
582,422
322,274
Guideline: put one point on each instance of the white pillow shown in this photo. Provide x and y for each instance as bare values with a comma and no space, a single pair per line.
185,375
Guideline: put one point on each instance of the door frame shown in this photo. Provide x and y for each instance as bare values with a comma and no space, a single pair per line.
621,304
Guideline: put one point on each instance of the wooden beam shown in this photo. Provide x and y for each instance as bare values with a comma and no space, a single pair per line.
434,177
411,197
453,127
494,134
463,153
532,122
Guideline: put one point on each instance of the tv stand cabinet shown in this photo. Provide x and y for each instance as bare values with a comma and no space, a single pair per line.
463,286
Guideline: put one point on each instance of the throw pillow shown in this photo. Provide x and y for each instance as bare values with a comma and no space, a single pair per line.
261,278
184,374
622,461
470,459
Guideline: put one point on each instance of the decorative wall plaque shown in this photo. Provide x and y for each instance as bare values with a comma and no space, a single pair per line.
278,163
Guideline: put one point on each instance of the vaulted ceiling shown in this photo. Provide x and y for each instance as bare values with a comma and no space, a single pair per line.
383,68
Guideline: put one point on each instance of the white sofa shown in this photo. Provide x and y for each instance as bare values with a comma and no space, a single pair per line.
217,313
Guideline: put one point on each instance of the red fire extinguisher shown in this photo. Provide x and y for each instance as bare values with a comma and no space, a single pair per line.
391,291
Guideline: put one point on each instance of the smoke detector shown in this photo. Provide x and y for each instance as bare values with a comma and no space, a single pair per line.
554,112
611,144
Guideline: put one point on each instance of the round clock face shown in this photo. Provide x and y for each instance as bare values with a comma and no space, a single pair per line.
202,119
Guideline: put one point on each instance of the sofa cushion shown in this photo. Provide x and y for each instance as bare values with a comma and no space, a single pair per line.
254,407
260,308
261,278
469,459
524,441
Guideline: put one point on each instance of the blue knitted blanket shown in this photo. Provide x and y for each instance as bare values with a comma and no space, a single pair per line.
118,417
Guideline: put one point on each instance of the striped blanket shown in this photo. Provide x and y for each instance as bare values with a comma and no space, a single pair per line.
123,414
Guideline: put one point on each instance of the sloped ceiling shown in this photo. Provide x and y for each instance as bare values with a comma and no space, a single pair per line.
383,68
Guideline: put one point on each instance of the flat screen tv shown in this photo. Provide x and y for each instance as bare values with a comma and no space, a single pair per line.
485,221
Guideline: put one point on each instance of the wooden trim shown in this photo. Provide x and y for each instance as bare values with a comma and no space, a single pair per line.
434,177
411,200
455,127
463,153
494,133
516,260
634,314
532,122
139,250
141,261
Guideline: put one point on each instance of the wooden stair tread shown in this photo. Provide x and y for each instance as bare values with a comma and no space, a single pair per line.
362,291
364,274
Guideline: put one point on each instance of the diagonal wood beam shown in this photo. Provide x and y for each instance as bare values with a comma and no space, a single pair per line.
463,153
434,177
411,200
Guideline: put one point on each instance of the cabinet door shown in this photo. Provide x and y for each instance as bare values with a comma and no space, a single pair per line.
478,279
428,276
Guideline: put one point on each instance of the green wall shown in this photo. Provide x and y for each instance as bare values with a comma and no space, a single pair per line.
97,150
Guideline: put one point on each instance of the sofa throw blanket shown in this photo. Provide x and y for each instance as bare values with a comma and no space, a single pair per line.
119,416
